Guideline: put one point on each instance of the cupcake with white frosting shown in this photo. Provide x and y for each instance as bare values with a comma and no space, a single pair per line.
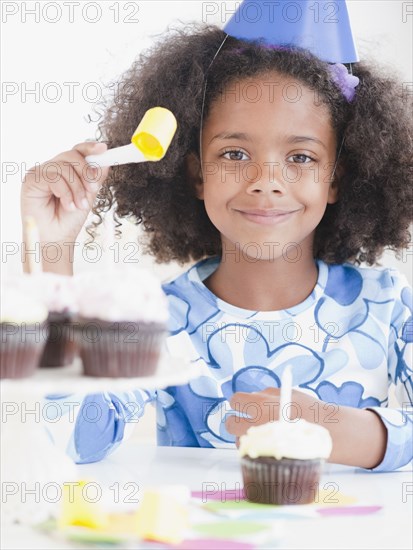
24,331
281,461
121,324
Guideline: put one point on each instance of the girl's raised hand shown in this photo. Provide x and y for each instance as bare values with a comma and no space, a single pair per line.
59,193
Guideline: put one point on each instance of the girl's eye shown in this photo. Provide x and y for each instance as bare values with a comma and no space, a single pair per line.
300,159
234,154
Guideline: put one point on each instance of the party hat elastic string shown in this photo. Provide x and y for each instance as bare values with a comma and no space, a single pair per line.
203,103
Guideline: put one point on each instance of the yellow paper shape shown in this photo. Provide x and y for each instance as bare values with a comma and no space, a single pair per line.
122,523
333,499
78,509
161,518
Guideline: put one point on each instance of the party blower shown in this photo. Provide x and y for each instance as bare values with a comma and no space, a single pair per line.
149,142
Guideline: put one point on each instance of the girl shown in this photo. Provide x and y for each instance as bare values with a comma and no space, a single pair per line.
279,183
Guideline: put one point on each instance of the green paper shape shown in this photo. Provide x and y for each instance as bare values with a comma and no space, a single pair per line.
46,526
90,536
228,529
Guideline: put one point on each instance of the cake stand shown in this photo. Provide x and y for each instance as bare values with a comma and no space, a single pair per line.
33,468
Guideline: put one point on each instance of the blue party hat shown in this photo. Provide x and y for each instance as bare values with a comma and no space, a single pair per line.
322,27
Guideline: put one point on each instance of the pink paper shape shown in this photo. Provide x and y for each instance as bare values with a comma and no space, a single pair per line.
223,496
349,511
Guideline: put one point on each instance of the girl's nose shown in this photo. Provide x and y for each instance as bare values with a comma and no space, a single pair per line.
268,180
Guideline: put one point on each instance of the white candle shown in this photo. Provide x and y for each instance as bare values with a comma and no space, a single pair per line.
285,397
109,237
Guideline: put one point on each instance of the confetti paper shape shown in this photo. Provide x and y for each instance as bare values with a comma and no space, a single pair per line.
331,498
349,511
223,496
228,529
213,544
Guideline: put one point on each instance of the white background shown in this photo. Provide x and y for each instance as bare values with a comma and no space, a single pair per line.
46,44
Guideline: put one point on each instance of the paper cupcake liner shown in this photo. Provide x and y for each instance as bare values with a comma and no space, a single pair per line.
286,481
119,349
21,348
60,348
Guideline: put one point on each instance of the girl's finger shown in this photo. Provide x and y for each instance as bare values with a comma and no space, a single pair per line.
237,426
242,399
90,148
274,392
71,178
92,176
62,191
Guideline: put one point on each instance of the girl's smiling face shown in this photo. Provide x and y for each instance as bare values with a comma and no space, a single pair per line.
268,154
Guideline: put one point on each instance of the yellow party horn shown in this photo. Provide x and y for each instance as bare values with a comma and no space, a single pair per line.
149,142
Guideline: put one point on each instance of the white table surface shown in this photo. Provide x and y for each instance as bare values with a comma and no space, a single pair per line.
143,465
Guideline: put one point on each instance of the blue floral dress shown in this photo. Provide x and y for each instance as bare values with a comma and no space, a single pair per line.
346,344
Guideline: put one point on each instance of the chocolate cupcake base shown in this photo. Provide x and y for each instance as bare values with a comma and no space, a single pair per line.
60,349
286,481
21,348
119,349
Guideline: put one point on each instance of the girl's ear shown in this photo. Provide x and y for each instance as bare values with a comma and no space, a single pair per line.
334,185
193,171
333,192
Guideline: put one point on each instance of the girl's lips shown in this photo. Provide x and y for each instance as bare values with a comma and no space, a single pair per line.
270,217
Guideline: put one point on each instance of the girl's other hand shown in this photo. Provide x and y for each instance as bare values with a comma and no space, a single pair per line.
264,406
60,193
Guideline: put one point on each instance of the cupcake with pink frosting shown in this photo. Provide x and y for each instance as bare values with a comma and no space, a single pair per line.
121,323
23,331
56,292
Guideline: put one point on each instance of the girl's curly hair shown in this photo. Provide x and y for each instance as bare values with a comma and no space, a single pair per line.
375,192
